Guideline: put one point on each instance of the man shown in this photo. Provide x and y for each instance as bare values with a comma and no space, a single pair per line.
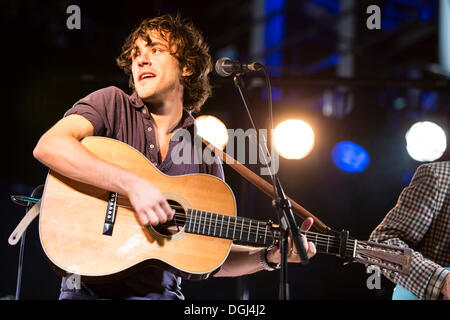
421,220
168,62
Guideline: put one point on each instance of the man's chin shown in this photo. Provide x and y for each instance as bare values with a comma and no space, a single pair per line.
144,94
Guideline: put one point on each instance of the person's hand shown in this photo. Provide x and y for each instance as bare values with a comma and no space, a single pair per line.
149,203
274,256
446,288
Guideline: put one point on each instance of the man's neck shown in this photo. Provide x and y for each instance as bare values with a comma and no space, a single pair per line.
166,115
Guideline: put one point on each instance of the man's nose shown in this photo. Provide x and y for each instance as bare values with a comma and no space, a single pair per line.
144,59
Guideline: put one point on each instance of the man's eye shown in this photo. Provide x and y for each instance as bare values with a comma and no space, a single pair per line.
157,50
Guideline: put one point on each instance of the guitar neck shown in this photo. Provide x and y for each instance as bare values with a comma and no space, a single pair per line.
254,232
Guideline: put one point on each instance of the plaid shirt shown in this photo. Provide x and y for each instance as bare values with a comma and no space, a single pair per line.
421,220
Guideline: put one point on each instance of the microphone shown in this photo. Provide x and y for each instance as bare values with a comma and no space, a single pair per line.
226,67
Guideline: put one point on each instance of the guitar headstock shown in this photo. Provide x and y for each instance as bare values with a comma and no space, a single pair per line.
393,258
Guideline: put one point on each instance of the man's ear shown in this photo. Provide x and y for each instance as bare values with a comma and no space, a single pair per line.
186,72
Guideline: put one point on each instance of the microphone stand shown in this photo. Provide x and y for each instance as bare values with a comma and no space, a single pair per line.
282,207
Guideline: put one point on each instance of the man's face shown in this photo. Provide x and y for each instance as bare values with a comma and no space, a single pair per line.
156,73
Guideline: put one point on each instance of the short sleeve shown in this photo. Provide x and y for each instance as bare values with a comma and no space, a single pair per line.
99,108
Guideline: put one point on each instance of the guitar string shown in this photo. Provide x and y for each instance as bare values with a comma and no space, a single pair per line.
324,239
330,243
209,220
254,230
310,237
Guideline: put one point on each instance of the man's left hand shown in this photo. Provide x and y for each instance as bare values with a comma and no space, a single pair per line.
274,256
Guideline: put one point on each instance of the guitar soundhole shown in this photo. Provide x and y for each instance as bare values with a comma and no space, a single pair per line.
176,224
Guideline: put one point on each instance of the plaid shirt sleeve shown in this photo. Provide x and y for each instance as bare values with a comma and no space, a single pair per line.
406,225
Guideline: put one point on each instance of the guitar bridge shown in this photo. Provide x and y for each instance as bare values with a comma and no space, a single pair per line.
111,211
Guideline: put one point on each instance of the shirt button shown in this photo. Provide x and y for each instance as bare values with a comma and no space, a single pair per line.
149,128
155,164
144,111
152,146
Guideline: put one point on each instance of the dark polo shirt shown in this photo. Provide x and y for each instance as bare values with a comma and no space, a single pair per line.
115,114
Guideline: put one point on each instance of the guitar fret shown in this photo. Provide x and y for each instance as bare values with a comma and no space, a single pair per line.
234,229
249,225
265,234
195,219
199,222
228,227
204,223
215,225
316,239
209,227
188,224
257,229
328,242
242,228
221,225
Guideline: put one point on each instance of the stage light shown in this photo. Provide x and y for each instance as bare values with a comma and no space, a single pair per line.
293,139
213,130
350,157
425,141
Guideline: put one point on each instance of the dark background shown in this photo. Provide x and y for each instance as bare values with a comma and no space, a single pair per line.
47,68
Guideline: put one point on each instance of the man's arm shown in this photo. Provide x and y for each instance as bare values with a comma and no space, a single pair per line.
244,260
60,150
406,225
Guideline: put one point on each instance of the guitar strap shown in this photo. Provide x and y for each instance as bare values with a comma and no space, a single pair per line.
264,186
24,223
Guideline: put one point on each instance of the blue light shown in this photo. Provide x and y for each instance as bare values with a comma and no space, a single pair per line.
274,30
332,6
273,37
350,157
407,176
323,64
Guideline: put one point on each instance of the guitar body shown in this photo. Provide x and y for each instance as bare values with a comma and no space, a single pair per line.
400,293
72,222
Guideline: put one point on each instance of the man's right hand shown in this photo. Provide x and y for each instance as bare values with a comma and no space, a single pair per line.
149,203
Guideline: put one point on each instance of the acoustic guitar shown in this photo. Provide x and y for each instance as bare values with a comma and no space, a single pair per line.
95,233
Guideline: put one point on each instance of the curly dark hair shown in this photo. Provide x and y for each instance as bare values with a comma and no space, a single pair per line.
192,52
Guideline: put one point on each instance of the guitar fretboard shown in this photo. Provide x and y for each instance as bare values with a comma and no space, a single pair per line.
253,231
234,228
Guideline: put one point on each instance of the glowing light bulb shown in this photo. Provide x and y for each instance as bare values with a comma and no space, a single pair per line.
213,130
293,139
425,141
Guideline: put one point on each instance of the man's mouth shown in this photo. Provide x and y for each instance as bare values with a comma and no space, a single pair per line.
146,75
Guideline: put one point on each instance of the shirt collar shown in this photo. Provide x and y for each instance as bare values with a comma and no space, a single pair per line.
187,119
